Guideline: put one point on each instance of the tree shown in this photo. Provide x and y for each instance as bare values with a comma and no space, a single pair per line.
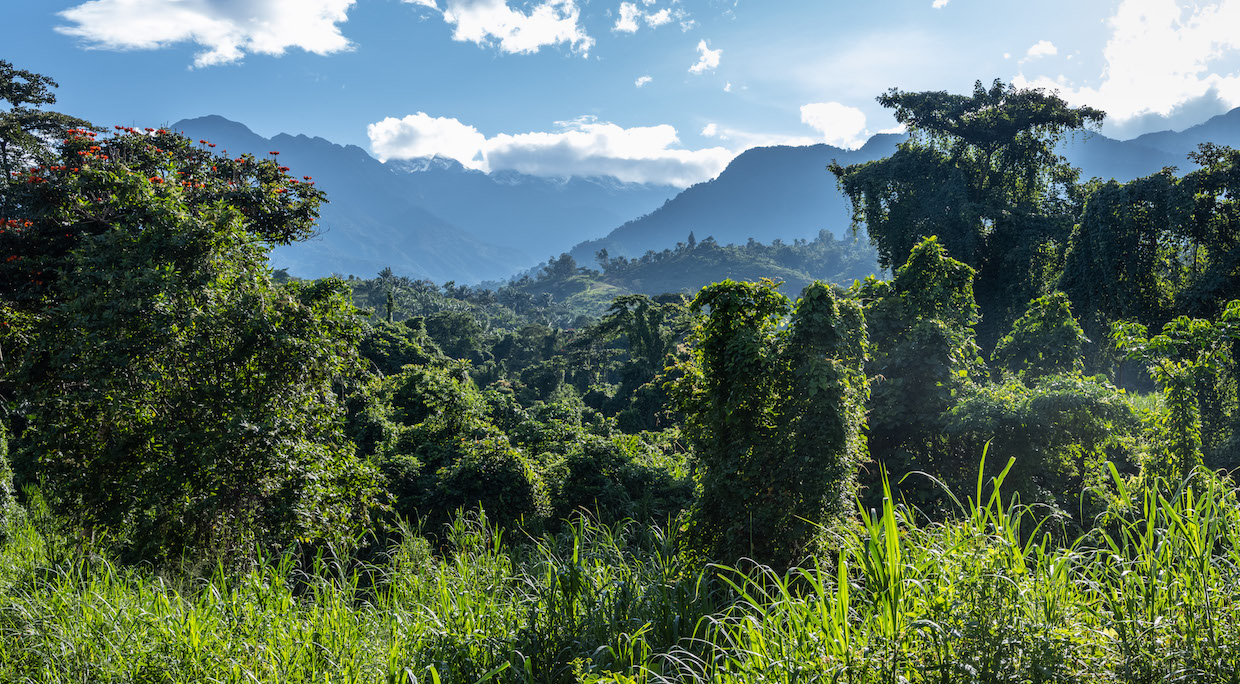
923,357
170,392
1060,432
1122,261
1187,359
28,135
1046,340
775,417
979,171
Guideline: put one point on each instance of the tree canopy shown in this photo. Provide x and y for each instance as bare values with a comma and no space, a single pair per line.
980,172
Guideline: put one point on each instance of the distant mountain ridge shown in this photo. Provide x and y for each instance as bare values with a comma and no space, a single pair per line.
786,193
434,218
431,218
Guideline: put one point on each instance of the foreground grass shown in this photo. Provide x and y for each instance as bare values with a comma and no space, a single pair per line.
1151,595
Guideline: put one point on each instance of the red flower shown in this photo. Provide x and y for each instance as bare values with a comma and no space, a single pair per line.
273,153
155,179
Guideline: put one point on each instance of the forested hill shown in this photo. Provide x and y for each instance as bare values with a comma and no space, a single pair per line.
691,265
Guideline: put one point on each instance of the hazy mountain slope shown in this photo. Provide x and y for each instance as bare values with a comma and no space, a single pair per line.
536,216
1098,156
766,193
370,221
1223,129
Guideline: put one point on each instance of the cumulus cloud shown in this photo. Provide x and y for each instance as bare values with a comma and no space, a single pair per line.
422,135
629,16
708,59
940,4
583,147
642,80
627,21
1042,48
226,30
839,124
659,18
494,23
1160,60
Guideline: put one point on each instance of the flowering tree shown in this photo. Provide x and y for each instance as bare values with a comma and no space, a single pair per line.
166,390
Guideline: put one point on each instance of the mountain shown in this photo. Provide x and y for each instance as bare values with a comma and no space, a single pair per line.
432,218
370,221
528,214
1223,129
786,193
766,193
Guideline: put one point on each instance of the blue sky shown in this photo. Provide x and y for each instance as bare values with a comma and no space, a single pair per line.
646,90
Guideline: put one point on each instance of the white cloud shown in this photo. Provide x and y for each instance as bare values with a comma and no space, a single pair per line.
659,18
727,87
940,4
743,140
421,135
642,80
227,30
1042,48
630,14
1159,61
584,147
627,21
494,23
840,125
708,59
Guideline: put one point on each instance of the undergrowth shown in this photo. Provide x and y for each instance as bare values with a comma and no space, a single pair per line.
1150,594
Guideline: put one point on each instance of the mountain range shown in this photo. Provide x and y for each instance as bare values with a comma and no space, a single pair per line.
433,218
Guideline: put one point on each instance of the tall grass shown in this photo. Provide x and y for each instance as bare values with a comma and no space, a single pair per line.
1150,594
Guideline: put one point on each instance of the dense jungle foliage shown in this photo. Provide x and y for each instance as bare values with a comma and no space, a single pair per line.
1008,461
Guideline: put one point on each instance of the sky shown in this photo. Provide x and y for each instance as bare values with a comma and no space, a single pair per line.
662,91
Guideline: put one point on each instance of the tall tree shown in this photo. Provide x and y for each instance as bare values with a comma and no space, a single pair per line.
924,356
979,171
28,134
775,415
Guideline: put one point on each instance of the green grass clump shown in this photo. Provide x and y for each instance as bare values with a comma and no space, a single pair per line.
1150,594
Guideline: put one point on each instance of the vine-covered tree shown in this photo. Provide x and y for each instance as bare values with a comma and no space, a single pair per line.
979,171
1188,359
775,416
924,356
1046,340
